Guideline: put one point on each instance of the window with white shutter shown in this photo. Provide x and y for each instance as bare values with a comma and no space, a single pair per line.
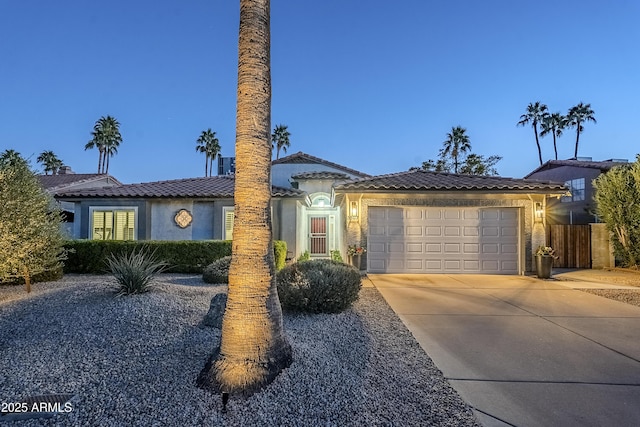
227,230
113,223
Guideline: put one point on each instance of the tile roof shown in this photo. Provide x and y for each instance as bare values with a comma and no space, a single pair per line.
53,182
603,166
436,181
321,175
304,158
214,187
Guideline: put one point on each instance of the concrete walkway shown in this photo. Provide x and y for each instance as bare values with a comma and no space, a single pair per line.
524,351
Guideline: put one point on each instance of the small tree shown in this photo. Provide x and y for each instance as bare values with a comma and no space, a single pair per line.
30,234
476,164
618,205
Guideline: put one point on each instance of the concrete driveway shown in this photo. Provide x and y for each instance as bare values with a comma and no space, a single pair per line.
523,351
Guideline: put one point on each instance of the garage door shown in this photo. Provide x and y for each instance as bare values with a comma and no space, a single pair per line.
442,240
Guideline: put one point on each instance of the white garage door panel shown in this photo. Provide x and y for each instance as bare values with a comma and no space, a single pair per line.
443,240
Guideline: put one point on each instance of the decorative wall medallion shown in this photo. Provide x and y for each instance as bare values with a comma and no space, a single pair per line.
183,218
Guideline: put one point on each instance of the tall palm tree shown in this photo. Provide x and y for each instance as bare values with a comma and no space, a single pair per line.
553,124
253,347
208,144
280,139
456,144
106,138
535,112
578,115
50,161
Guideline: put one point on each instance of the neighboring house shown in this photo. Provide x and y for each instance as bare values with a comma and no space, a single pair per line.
67,180
415,221
577,205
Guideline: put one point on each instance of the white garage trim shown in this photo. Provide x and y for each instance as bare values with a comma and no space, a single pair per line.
443,240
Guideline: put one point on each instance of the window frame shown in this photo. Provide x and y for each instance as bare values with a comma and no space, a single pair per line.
113,210
226,210
577,189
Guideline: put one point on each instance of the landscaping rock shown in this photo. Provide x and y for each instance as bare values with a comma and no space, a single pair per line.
216,310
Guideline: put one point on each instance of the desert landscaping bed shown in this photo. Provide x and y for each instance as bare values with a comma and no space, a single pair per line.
134,360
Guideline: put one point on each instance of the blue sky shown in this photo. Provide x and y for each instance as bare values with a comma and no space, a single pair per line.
372,85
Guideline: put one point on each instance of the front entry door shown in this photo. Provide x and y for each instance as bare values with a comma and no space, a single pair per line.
318,235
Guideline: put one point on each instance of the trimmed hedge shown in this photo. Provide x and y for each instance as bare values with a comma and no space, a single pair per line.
185,256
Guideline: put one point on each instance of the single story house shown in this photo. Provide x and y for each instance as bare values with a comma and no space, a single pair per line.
410,222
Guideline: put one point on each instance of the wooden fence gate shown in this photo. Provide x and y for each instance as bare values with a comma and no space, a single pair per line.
572,244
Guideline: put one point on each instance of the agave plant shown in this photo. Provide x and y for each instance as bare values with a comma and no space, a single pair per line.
135,271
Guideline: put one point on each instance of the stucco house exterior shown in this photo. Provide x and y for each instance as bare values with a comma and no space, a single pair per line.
576,206
410,222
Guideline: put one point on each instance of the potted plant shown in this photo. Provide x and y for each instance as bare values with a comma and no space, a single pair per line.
544,261
355,253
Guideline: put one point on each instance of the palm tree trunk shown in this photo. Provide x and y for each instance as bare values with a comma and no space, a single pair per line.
577,140
555,147
253,348
99,160
535,130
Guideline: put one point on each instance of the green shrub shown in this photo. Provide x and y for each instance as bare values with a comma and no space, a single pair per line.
135,271
336,256
187,256
280,253
318,286
304,256
217,271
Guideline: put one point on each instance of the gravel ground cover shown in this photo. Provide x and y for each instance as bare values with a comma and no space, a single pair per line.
134,361
630,296
616,276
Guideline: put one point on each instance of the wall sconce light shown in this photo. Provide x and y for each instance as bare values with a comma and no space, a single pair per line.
539,212
353,210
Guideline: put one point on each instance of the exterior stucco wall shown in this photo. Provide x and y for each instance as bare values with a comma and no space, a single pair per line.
356,231
202,227
311,186
163,226
285,220
602,255
155,220
281,173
